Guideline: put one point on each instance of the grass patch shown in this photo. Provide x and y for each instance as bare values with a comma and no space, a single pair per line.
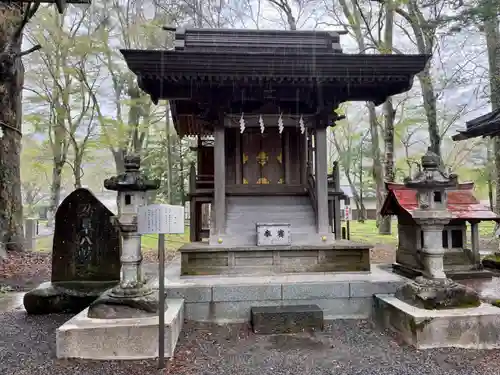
368,232
172,241
149,242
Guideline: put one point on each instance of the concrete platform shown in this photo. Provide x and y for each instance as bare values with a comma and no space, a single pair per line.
470,328
229,299
119,339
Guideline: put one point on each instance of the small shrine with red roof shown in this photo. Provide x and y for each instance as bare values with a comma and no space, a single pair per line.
433,211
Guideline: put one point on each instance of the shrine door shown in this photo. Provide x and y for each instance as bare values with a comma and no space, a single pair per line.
262,157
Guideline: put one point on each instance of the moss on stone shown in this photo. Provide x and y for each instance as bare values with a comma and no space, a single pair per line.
496,303
494,257
418,327
492,261
464,303
198,272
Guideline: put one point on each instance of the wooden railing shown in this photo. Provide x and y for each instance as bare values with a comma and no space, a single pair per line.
200,184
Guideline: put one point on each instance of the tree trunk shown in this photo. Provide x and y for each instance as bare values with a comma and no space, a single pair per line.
355,194
430,108
490,174
169,156
119,157
492,32
77,171
377,169
385,222
55,189
11,208
355,20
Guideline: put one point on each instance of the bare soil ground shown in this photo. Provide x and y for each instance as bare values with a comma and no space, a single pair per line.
24,271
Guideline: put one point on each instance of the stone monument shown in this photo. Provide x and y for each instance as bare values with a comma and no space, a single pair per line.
433,290
132,297
85,257
123,323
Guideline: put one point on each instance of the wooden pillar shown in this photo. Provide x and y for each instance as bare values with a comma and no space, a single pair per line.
321,176
192,203
303,157
219,179
238,161
285,155
309,148
474,229
336,211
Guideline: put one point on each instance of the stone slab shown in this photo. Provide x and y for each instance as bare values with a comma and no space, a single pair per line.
246,292
342,256
286,319
470,328
229,299
359,289
337,245
240,312
119,339
457,275
308,290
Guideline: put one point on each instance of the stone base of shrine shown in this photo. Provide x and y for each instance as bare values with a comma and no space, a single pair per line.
469,328
229,299
119,339
201,259
460,273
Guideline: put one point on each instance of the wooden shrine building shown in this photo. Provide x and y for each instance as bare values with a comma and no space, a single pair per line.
487,125
260,103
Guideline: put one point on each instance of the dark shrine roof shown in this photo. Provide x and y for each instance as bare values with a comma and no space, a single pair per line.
487,125
462,203
213,70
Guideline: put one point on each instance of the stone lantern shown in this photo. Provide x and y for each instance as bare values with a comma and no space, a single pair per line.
132,291
433,290
432,213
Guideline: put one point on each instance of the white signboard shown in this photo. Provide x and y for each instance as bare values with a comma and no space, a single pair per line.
160,218
347,213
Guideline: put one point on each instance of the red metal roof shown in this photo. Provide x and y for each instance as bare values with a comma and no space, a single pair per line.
461,202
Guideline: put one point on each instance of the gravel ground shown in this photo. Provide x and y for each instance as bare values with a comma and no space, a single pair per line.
27,347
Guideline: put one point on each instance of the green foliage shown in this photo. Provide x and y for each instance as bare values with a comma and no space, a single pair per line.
156,165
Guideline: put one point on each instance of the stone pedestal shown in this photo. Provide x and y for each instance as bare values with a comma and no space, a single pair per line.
471,328
437,294
119,338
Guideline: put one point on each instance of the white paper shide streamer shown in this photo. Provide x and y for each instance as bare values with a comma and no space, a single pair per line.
261,123
280,123
242,124
301,124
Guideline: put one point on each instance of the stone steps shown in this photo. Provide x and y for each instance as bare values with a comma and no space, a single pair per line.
243,213
269,320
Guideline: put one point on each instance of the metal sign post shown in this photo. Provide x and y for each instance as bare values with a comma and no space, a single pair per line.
161,219
161,300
